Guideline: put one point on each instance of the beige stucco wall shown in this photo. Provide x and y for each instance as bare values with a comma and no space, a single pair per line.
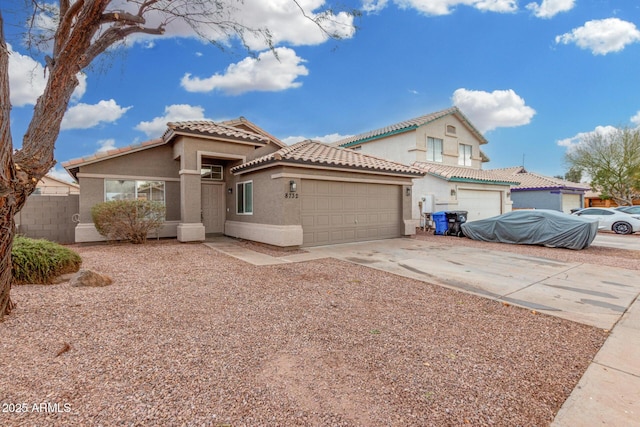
277,218
187,147
153,162
409,147
437,129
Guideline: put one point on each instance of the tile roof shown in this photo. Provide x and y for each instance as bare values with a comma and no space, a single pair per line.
462,174
317,153
209,128
534,181
228,129
408,125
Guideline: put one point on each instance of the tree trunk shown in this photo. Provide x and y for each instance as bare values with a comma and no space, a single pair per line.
7,177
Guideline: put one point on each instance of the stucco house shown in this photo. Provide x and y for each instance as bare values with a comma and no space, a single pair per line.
52,186
446,147
234,178
537,191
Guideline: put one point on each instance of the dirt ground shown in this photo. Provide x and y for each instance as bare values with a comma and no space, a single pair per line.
189,336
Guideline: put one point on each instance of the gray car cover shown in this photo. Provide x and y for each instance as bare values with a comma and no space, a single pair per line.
535,227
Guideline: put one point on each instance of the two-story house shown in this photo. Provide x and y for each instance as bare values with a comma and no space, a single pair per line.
445,146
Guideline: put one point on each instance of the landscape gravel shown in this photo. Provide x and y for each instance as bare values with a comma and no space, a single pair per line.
189,336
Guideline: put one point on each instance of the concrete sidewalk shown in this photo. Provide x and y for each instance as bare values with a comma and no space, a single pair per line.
609,391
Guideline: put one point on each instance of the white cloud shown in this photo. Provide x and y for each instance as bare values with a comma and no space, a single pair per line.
490,110
60,173
636,119
373,6
265,73
445,7
106,145
85,116
27,80
283,18
580,137
550,8
602,36
327,139
172,113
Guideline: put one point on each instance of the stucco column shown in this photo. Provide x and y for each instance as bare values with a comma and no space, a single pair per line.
190,228
410,224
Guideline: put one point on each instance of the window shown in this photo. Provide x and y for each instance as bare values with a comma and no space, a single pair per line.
121,189
244,197
464,155
434,149
211,172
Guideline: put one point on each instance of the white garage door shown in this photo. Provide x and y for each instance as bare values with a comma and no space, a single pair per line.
342,212
570,201
480,203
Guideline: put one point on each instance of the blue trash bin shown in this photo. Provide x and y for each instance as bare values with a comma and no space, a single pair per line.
441,223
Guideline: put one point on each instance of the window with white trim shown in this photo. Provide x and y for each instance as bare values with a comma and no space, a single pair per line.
464,155
434,149
244,198
124,189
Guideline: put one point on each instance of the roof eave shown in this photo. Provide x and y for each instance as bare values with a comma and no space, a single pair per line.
180,132
382,135
239,170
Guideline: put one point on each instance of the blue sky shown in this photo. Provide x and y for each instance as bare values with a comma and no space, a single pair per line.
533,76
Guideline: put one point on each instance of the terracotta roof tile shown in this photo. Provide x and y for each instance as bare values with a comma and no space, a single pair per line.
205,127
534,181
317,153
456,173
409,125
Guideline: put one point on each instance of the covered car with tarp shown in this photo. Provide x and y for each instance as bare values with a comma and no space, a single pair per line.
534,227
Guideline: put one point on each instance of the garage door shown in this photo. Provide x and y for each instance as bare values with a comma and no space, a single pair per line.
342,212
480,203
571,201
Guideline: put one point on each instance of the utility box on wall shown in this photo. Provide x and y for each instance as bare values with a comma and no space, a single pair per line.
427,203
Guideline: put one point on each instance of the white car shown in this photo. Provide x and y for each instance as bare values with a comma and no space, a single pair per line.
612,219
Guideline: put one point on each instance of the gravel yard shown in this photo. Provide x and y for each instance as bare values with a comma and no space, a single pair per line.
189,336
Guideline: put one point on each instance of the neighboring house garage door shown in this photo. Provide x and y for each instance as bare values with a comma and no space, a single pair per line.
570,201
480,203
342,212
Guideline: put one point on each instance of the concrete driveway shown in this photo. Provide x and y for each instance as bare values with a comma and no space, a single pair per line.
584,293
630,242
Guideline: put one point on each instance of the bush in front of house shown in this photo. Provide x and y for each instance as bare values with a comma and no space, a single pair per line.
130,220
39,261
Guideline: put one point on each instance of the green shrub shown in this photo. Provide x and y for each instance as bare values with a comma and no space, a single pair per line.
40,261
129,220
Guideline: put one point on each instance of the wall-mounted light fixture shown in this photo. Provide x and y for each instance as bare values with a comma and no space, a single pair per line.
408,191
293,187
230,190
453,192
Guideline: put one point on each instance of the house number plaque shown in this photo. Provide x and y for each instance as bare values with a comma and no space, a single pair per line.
290,195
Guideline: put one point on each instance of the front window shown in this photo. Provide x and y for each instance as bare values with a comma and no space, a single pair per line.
244,197
121,189
464,155
434,149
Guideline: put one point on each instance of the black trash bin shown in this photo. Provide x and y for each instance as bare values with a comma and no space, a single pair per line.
455,220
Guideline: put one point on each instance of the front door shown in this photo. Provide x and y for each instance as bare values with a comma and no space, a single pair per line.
213,207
